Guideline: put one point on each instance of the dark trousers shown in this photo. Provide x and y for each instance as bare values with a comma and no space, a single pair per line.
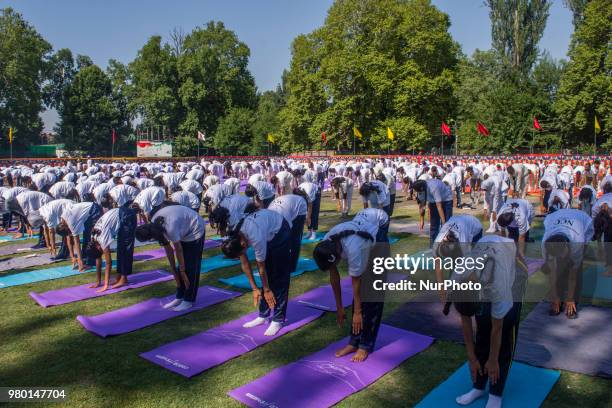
7,218
297,231
513,232
371,313
321,180
506,351
278,270
607,237
94,215
314,213
545,199
435,220
42,242
63,252
192,251
458,193
125,240
391,205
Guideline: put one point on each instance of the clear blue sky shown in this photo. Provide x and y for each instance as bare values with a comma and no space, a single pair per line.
118,29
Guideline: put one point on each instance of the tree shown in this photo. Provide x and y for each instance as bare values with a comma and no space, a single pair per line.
516,29
88,113
234,133
266,120
155,87
577,8
373,64
24,55
586,84
214,77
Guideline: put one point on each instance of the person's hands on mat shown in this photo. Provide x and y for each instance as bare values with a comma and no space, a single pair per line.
340,316
357,322
270,299
570,308
475,368
185,279
492,369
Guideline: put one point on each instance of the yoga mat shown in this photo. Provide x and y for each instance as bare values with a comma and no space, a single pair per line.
320,235
149,255
10,238
21,248
322,298
581,345
149,312
40,275
596,285
241,281
322,380
83,292
533,265
26,261
409,227
198,353
220,261
526,387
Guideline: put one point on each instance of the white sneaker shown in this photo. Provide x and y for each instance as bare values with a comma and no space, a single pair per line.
258,321
313,235
273,328
172,304
183,306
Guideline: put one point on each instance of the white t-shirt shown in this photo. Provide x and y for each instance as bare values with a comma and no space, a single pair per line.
235,204
604,199
437,191
108,227
374,216
192,186
264,189
465,227
574,224
380,198
53,210
259,228
523,214
186,198
355,249
30,201
75,217
150,198
123,194
310,189
181,223
563,197
61,189
290,206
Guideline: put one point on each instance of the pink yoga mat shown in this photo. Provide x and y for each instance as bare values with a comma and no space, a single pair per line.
322,380
149,312
195,354
82,292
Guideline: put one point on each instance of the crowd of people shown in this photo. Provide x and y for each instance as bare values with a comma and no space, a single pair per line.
263,209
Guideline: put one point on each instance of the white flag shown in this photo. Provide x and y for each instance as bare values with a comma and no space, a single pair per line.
201,136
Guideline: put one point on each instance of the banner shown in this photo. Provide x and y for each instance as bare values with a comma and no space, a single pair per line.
145,148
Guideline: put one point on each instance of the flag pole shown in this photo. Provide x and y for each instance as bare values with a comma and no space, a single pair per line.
595,139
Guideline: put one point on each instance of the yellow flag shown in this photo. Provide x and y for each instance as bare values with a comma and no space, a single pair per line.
390,134
11,135
271,138
597,127
357,133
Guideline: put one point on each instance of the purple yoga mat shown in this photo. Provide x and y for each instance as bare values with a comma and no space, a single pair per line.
161,253
322,298
533,265
149,312
82,292
322,380
195,354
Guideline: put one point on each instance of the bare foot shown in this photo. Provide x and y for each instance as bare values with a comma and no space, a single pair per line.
94,285
360,355
348,349
120,282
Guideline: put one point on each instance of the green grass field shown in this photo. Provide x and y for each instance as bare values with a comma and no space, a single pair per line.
48,347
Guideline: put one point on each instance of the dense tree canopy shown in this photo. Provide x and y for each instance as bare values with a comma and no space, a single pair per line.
24,57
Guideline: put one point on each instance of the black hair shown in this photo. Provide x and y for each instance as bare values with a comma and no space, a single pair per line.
250,191
450,247
218,218
586,194
232,247
505,219
326,253
510,170
152,231
545,184
420,186
602,224
92,250
607,188
107,201
556,245
381,177
62,229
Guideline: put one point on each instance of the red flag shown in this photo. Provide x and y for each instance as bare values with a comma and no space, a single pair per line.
324,138
482,129
114,136
445,129
536,124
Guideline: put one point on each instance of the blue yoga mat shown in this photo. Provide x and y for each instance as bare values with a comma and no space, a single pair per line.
320,235
241,281
220,261
526,387
595,285
40,275
9,238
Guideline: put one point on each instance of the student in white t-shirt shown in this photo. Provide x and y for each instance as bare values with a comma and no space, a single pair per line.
496,308
313,194
438,197
557,200
343,193
268,233
515,220
262,193
99,248
180,231
148,201
586,198
228,213
80,218
602,220
51,213
566,233
352,241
